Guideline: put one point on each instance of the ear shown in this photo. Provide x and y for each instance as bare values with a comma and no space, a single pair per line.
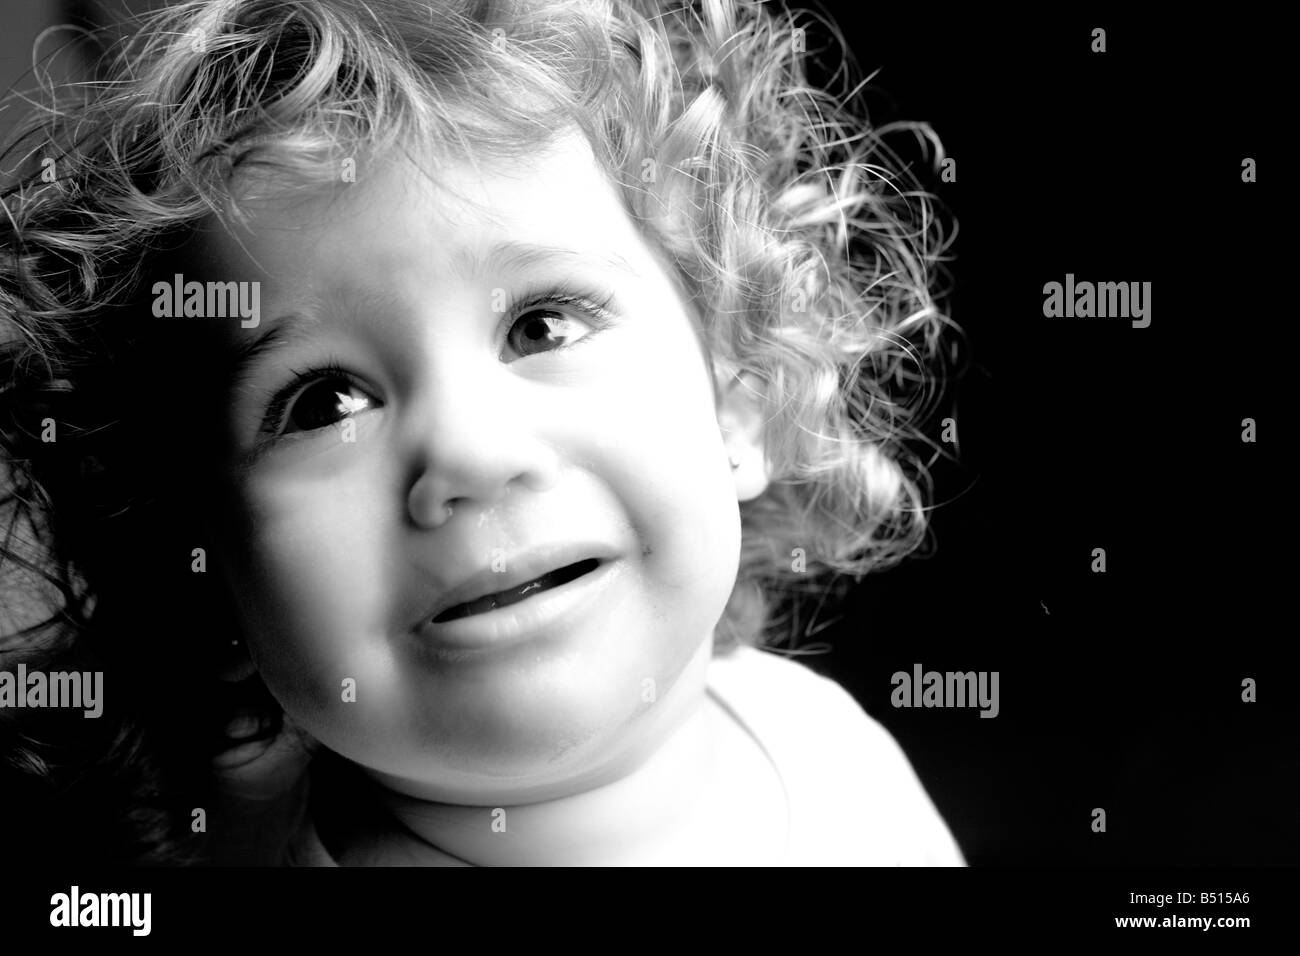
740,419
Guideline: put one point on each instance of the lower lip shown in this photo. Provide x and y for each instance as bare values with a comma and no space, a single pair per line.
554,610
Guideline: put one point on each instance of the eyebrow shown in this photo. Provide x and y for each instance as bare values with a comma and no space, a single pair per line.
513,254
510,254
244,356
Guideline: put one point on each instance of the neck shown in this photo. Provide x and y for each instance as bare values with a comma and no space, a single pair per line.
657,812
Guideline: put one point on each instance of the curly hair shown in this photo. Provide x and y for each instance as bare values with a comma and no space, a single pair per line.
808,253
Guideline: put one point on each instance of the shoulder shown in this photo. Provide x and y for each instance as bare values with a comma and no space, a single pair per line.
804,701
850,779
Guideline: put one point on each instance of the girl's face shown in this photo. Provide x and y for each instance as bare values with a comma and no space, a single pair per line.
555,429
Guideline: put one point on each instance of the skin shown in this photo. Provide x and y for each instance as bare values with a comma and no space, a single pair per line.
334,546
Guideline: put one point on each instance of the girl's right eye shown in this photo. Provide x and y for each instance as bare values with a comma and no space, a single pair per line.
316,399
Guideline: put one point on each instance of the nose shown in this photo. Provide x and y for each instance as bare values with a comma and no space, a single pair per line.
475,443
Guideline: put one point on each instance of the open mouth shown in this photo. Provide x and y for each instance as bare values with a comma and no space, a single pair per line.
490,602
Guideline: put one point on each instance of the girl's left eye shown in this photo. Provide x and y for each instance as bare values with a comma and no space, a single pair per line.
550,330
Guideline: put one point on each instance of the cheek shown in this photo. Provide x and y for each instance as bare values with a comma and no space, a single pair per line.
664,393
309,545
678,488
308,578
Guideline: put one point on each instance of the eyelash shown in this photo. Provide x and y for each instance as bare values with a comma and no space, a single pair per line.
595,307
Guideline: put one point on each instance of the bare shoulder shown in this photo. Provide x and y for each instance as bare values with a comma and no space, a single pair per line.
843,763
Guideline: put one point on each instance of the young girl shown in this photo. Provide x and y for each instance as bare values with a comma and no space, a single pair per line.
422,413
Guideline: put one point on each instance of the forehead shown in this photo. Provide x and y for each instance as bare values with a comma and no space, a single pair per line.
400,218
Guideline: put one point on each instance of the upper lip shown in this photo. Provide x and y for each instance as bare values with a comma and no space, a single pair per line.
520,567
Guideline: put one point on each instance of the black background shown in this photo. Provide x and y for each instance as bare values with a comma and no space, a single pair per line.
1119,690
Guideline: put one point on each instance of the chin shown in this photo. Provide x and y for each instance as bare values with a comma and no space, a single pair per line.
519,760
553,747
